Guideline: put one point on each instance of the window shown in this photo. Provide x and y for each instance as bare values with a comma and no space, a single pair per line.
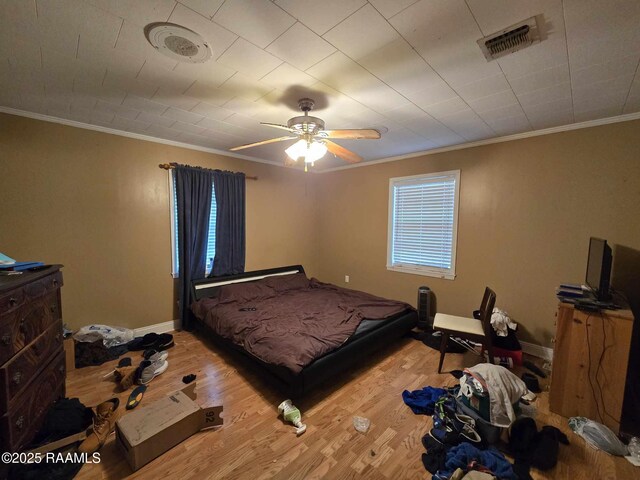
211,236
423,221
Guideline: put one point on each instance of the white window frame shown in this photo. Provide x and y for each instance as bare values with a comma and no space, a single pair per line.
437,272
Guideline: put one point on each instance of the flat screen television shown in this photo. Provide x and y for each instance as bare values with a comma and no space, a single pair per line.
599,269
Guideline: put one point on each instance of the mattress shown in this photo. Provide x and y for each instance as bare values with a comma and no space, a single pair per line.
290,320
355,342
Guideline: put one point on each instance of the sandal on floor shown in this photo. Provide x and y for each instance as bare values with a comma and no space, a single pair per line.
136,397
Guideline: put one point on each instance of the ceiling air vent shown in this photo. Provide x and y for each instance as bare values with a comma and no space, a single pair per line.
511,39
177,42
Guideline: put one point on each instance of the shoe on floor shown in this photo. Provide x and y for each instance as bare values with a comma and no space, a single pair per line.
144,364
158,357
452,438
136,397
104,423
152,371
531,381
125,376
125,362
163,341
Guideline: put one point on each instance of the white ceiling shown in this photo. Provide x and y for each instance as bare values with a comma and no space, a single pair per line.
413,67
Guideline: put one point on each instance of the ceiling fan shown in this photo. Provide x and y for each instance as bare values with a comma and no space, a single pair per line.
313,140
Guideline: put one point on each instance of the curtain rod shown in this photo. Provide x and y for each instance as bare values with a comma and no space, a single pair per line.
170,166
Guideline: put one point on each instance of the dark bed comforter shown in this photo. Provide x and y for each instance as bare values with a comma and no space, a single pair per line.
290,320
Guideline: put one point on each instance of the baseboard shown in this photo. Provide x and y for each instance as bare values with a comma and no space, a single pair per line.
539,351
163,327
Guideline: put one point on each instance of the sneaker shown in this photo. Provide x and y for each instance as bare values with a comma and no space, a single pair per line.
104,422
458,422
164,341
138,375
152,371
158,357
429,442
450,438
446,418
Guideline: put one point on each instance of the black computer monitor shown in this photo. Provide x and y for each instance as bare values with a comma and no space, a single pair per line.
599,268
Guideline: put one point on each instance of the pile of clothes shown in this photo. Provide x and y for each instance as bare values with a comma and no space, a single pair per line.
467,421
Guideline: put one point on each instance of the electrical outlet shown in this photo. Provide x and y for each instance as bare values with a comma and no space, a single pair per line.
346,279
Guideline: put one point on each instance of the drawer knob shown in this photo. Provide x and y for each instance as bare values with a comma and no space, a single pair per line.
20,422
6,339
61,368
17,377
55,283
13,301
53,308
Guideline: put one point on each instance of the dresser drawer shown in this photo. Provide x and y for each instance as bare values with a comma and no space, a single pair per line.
17,373
25,417
14,299
25,324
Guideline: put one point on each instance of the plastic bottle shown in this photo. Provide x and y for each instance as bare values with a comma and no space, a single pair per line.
290,413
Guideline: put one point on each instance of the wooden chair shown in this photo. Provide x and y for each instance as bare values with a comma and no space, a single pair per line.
477,330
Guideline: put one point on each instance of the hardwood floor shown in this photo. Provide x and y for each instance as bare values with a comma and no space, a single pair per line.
255,444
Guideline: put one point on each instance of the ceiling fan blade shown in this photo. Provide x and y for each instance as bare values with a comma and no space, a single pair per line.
277,125
368,133
264,142
343,153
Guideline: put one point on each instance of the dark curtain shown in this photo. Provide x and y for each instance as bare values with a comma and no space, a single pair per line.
230,219
193,196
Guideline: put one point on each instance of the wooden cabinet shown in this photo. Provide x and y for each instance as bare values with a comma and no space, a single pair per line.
32,366
590,360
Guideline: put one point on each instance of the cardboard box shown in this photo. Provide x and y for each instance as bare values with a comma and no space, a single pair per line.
149,431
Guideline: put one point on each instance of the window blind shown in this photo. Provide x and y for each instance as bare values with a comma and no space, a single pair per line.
423,222
211,236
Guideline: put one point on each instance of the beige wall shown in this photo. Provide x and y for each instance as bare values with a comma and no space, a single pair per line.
99,205
527,210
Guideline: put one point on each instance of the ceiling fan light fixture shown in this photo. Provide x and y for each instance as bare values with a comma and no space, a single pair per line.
310,151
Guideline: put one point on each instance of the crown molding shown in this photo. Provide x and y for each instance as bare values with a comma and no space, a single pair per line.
461,146
137,136
508,138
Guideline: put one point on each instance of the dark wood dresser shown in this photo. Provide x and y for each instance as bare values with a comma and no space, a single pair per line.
32,362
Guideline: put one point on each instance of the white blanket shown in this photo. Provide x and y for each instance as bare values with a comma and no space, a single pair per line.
504,388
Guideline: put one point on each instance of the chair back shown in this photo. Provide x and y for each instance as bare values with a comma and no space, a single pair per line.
486,310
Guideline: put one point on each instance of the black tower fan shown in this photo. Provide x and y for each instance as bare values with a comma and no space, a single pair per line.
424,304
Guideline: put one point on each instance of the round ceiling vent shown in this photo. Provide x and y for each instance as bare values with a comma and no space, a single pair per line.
177,42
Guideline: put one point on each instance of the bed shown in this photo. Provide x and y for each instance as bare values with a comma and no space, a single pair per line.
298,331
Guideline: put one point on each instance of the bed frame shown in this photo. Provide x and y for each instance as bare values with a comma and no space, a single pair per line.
323,368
